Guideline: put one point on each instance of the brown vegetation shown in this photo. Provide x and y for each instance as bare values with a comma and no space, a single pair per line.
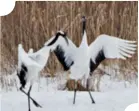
33,23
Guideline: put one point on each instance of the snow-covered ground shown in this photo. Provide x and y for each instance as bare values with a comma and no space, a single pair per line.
114,96
62,101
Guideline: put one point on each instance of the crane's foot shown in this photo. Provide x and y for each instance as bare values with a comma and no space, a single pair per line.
36,104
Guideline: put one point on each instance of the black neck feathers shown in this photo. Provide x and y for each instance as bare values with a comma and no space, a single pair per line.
84,23
58,34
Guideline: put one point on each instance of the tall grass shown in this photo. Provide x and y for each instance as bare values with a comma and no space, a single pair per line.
33,23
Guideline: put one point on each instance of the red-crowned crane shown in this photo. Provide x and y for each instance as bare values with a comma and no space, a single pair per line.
83,60
30,64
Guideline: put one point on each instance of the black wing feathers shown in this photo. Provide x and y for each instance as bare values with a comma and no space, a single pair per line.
100,57
22,75
59,52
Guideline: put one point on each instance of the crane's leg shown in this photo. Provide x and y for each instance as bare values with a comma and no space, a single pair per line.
93,102
75,90
35,103
29,98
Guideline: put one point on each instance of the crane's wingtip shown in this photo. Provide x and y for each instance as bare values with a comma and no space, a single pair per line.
131,42
30,50
19,45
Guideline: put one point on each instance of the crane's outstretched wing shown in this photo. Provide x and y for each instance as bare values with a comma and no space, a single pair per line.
23,58
64,50
41,56
109,47
30,51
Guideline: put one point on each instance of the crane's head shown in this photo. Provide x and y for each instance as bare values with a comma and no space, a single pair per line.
83,18
84,23
57,35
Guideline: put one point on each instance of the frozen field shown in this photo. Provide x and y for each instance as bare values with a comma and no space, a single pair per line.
114,97
62,101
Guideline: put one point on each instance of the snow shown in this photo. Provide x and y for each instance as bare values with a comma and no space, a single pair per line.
114,96
62,100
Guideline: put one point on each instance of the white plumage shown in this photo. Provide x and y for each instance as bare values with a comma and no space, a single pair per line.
83,60
30,64
112,47
34,62
30,51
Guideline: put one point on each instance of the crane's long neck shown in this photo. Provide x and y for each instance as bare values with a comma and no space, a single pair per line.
84,42
84,25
